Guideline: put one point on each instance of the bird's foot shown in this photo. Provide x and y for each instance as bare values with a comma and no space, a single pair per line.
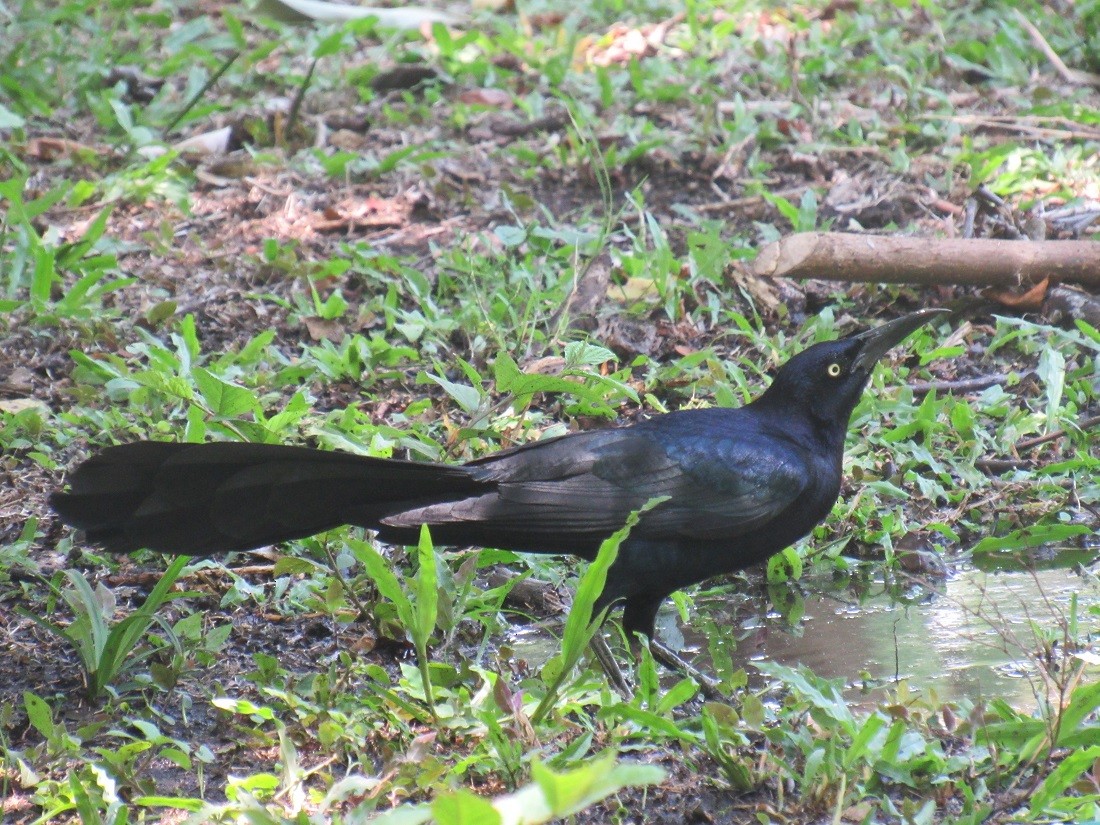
708,685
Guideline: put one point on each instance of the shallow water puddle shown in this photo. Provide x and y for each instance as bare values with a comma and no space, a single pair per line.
967,637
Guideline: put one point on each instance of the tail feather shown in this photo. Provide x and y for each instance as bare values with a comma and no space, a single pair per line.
202,499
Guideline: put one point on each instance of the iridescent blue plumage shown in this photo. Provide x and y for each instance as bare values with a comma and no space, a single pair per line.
740,485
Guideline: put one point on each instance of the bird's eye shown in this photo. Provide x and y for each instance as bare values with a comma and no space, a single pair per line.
834,370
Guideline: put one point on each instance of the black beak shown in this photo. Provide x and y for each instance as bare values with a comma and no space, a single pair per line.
874,343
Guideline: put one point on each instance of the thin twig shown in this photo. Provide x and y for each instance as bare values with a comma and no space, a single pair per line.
296,104
1017,125
1084,424
962,385
1075,76
195,98
1000,465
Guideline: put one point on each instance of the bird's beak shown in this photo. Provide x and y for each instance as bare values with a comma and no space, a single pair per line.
874,343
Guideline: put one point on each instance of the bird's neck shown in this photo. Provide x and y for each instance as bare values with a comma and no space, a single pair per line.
801,422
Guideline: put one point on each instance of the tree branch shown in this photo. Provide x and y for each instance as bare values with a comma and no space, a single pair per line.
838,256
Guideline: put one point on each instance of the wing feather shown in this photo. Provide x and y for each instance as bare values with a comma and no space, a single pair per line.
587,485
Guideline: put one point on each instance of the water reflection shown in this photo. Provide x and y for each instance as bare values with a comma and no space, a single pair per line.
970,636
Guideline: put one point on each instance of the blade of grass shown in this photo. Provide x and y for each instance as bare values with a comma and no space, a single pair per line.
426,609
581,625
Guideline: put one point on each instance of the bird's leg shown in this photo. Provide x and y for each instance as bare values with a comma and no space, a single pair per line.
708,685
639,618
599,647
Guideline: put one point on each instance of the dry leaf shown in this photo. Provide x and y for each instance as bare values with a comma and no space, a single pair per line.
1030,301
325,328
634,289
50,148
215,142
496,98
12,406
370,212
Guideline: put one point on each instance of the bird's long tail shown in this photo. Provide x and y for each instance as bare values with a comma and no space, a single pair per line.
201,499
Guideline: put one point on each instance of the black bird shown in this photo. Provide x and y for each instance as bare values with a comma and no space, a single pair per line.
742,484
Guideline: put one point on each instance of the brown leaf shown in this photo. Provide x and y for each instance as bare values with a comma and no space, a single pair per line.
794,128
18,405
1030,301
494,98
371,212
547,365
325,328
51,148
545,20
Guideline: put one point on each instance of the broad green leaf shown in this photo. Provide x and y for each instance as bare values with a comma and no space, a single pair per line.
467,397
821,693
1052,372
224,399
427,580
380,571
1033,536
1060,779
463,807
582,353
39,714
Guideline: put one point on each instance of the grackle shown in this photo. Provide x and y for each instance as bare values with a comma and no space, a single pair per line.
741,484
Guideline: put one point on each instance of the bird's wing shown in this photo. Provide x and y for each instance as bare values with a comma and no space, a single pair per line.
588,484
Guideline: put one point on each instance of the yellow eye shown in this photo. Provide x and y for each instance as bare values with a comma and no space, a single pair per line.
834,370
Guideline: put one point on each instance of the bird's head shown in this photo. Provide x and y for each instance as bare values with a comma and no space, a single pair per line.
827,380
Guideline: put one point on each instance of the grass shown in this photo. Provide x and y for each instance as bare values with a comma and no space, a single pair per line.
149,294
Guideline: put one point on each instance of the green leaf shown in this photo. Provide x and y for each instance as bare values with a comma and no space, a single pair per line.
39,714
426,609
1083,701
1033,536
785,566
1052,372
182,803
243,707
557,795
861,741
824,694
652,725
580,624
681,692
295,565
379,570
427,582
225,400
583,353
1060,779
787,209
467,397
462,807
403,815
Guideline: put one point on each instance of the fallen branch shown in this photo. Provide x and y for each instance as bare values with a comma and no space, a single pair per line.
1022,125
960,386
837,256
1029,443
1001,465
